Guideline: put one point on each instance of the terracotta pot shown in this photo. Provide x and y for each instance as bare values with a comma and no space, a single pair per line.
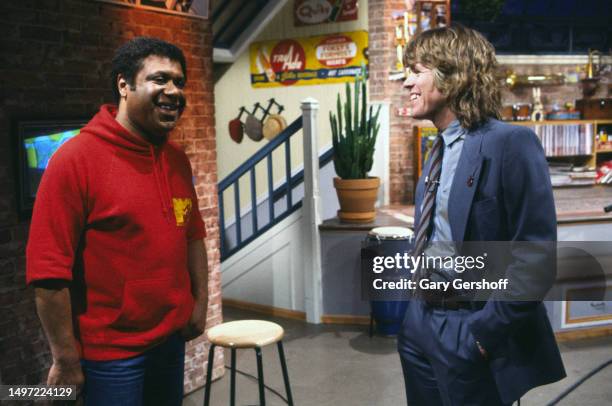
357,198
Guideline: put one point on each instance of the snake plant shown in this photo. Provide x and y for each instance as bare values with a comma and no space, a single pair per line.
354,138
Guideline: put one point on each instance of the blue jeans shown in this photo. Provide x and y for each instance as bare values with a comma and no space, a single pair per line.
153,378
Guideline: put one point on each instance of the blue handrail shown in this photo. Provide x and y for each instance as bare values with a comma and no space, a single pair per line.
261,154
285,190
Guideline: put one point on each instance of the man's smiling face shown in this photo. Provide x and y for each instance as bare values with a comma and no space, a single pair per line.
425,99
155,101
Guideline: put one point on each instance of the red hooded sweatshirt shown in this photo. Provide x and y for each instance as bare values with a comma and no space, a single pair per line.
114,215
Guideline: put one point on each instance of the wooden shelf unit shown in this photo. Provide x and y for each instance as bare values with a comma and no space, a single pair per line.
594,156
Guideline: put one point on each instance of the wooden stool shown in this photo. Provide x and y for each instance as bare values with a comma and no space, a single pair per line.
246,334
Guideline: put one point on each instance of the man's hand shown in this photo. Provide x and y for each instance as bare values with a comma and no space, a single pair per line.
197,264
66,373
55,311
197,323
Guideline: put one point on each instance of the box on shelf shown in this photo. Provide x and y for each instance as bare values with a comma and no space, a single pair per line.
595,108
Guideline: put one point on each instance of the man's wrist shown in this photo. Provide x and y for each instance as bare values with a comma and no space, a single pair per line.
66,356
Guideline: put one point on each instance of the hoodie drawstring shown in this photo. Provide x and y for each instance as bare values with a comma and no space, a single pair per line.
164,176
158,179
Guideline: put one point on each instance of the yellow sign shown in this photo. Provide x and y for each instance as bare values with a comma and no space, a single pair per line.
317,60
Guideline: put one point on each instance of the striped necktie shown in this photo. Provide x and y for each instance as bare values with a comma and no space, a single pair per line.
431,184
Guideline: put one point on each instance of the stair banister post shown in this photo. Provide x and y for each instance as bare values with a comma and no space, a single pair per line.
311,214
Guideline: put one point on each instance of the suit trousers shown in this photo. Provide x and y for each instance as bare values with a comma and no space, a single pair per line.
441,362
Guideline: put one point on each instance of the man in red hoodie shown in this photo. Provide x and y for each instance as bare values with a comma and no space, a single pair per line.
116,251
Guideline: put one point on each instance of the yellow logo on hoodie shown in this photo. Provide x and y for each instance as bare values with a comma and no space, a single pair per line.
182,209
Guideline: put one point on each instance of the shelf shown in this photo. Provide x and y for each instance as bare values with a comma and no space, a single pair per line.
599,151
560,122
573,185
569,156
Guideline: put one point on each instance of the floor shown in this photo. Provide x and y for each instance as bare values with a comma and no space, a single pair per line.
341,365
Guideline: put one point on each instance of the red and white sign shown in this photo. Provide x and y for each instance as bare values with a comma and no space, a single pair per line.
336,51
309,12
287,55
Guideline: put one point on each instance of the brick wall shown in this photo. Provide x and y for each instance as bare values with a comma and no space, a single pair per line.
382,56
55,63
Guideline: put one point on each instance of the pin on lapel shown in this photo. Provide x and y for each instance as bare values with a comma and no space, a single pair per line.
470,181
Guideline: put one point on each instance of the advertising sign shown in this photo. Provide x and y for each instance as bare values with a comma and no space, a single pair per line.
309,12
317,60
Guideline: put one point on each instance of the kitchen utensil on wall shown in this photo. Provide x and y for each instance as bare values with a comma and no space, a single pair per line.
268,125
273,126
236,127
275,123
253,125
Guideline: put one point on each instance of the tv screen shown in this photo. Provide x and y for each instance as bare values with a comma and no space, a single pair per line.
37,141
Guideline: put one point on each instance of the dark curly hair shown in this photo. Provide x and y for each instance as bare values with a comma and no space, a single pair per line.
463,64
128,58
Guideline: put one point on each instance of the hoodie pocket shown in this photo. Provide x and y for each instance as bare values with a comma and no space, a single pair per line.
146,303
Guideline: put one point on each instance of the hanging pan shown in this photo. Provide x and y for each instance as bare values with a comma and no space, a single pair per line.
275,123
253,126
236,127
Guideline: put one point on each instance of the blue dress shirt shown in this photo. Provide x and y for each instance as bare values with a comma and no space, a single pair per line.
453,136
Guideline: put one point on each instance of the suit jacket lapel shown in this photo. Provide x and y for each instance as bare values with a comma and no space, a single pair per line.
464,184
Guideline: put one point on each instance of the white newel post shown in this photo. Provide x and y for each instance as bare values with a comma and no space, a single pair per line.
381,153
311,209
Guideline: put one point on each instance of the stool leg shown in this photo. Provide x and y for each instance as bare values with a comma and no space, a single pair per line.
211,358
262,396
281,355
233,379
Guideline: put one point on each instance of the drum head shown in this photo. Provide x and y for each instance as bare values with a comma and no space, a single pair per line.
391,233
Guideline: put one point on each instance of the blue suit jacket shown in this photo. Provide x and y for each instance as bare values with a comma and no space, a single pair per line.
502,192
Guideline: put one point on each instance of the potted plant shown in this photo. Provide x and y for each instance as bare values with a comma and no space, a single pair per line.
354,131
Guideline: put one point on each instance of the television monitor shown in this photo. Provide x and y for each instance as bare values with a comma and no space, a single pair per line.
36,143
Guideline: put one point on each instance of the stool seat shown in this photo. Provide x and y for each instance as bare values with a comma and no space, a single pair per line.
245,334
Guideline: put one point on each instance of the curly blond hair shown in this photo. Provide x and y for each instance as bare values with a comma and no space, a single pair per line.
463,64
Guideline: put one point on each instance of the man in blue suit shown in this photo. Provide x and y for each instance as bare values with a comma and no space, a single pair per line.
484,181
